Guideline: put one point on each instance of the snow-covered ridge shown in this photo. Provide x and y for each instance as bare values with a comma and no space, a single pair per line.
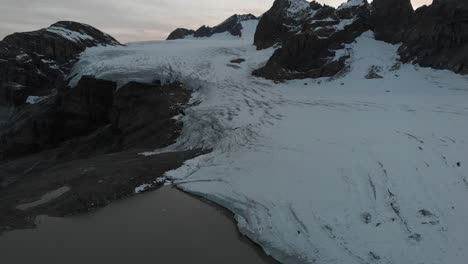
237,19
232,26
69,34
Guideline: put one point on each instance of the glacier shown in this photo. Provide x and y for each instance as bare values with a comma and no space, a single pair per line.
332,170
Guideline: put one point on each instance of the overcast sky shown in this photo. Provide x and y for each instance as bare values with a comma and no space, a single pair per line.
135,20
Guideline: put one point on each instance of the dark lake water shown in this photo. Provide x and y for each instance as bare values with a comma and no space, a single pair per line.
164,226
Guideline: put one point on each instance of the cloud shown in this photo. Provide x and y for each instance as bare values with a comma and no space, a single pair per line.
128,20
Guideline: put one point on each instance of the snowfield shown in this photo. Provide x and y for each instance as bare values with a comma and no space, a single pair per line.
341,170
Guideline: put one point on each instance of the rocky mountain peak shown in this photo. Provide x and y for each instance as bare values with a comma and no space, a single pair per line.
284,17
180,33
83,33
309,41
36,63
289,17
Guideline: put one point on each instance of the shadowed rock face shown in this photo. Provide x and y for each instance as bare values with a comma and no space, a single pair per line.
105,120
438,37
390,18
232,25
45,125
35,63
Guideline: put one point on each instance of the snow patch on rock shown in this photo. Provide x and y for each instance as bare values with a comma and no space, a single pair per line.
297,7
36,99
68,34
352,3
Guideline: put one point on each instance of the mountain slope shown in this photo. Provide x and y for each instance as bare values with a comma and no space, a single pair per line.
348,169
363,160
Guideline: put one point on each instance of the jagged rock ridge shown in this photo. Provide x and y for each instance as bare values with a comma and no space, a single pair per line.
232,25
308,35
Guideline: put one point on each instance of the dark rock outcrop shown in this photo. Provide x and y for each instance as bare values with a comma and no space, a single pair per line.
135,115
46,125
232,25
302,56
390,18
237,61
36,63
438,37
180,33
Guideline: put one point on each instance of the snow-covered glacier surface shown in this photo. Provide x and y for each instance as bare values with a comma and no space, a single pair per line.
341,170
